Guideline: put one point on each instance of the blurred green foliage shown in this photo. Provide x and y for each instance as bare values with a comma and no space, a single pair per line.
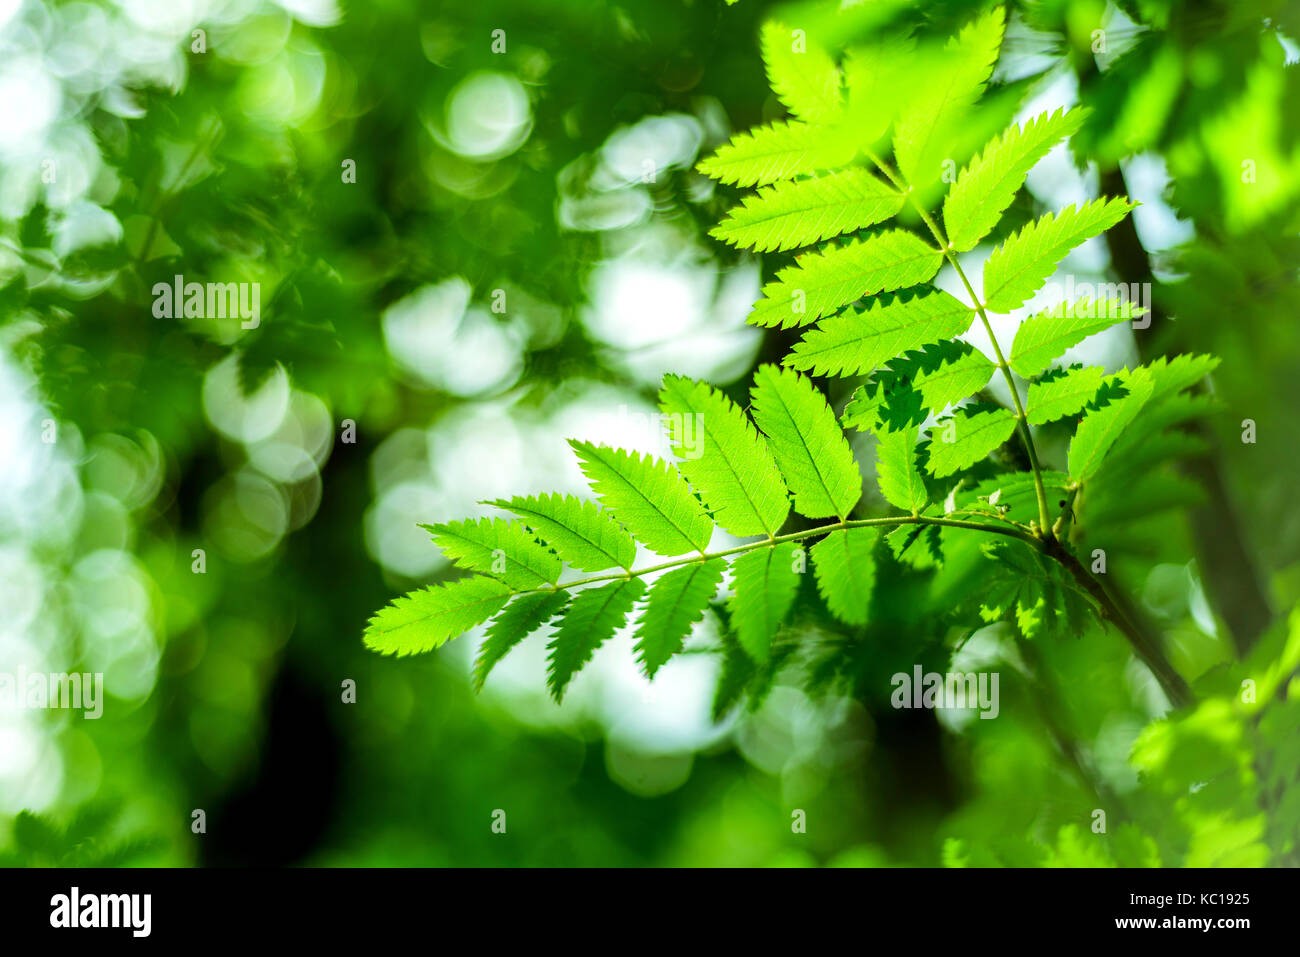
224,688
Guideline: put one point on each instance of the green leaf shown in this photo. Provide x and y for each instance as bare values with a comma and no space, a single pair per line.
764,584
1020,594
879,407
949,84
875,74
889,400
1146,442
593,618
802,74
772,153
1015,493
1033,590
961,376
955,853
1018,268
677,601
810,448
920,546
901,482
586,538
425,619
1161,413
1173,375
523,616
36,836
737,674
821,282
1100,428
846,572
802,212
1046,335
1052,399
972,438
733,471
1139,451
1124,495
988,184
854,342
647,495
499,548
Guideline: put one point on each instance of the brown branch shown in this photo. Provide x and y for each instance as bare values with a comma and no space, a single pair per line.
1145,644
1233,581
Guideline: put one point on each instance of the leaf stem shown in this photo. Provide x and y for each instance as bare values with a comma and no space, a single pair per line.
1010,530
1144,646
1022,422
1043,537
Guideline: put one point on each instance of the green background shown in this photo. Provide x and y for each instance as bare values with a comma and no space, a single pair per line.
556,178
